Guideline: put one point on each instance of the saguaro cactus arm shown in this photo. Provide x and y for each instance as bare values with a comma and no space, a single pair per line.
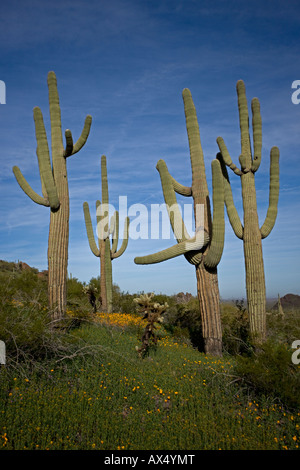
89,230
273,194
233,215
49,189
180,188
124,244
35,197
193,244
71,148
176,220
214,252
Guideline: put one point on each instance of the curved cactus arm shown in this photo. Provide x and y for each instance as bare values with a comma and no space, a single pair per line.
125,240
213,255
232,213
226,157
194,244
69,143
180,188
48,184
28,190
114,229
175,217
71,148
89,230
273,194
257,134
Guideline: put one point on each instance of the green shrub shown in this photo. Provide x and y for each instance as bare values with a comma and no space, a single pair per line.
235,328
271,372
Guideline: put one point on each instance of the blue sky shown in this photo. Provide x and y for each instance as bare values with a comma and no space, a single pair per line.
126,62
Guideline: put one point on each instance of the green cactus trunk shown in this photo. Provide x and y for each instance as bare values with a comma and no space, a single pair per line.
254,264
104,304
55,192
209,303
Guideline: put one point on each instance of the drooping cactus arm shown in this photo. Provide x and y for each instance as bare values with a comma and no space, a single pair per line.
257,134
213,255
89,230
48,184
125,240
28,190
71,148
194,244
180,188
176,220
273,194
232,213
226,157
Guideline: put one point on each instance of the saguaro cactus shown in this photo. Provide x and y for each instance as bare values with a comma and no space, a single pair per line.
106,250
204,249
55,193
250,232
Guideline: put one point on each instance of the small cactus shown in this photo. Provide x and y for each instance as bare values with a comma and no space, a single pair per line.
153,313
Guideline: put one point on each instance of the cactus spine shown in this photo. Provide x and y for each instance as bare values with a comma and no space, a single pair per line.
204,250
106,250
250,231
55,193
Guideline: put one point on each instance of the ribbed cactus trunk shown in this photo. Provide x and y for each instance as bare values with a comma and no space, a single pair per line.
59,219
104,305
254,263
209,304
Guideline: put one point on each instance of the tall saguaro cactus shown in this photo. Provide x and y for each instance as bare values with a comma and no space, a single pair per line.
204,249
55,193
250,231
106,250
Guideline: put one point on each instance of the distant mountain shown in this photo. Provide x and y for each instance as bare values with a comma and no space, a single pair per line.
288,302
7,267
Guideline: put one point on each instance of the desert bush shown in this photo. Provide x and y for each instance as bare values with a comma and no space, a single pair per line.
270,372
235,328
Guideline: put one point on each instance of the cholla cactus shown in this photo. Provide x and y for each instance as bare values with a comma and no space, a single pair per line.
153,313
55,192
106,250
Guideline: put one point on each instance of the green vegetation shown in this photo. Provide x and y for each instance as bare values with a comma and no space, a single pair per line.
84,386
